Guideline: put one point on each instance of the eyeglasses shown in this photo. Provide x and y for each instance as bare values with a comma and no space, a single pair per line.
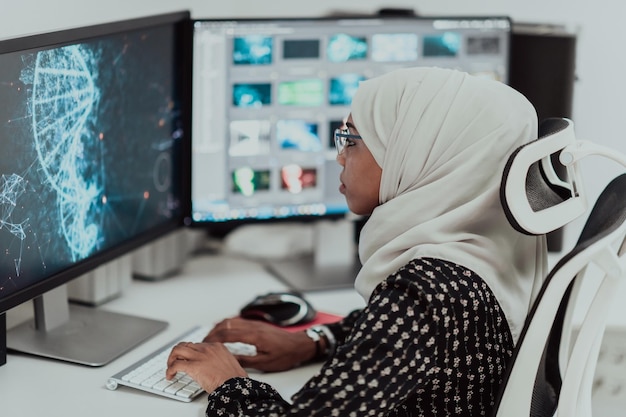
342,136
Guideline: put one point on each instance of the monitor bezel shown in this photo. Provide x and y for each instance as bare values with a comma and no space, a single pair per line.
222,228
181,20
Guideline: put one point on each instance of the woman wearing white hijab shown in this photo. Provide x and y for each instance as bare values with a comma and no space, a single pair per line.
448,282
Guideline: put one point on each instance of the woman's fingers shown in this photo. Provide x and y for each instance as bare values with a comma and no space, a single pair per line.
209,364
182,352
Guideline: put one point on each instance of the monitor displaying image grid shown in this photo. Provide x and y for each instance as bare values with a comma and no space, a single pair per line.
268,95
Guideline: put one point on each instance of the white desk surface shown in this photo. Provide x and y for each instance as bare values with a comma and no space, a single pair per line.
208,289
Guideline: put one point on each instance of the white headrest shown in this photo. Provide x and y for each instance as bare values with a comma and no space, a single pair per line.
535,199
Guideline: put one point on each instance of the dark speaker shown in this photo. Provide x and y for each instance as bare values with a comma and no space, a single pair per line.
542,67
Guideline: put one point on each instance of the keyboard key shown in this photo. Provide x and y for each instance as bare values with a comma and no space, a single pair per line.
174,388
162,385
185,393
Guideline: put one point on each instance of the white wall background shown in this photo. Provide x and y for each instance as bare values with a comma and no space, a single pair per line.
599,97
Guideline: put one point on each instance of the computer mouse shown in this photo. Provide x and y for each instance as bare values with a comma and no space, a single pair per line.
280,308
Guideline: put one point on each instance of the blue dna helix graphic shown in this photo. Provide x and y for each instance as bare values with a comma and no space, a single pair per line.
64,97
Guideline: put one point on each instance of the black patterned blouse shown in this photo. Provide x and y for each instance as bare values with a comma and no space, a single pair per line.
432,341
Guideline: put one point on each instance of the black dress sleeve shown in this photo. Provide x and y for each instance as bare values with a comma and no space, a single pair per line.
245,397
342,328
432,341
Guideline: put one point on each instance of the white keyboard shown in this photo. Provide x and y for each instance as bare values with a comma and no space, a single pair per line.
148,374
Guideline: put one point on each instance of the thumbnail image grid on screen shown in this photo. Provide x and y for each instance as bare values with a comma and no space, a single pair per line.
90,135
268,95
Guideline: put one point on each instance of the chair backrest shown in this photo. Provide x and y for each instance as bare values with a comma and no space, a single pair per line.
550,373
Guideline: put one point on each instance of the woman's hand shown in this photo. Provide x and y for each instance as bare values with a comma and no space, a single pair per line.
277,349
209,364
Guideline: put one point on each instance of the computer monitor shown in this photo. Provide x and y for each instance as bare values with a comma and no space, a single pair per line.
269,93
92,130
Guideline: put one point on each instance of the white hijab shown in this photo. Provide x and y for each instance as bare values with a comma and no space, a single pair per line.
442,138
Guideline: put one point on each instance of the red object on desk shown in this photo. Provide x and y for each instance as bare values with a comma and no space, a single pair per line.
320,318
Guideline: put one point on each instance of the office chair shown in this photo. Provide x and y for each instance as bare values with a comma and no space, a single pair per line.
550,373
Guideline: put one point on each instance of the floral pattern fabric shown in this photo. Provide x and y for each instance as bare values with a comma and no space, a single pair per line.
432,341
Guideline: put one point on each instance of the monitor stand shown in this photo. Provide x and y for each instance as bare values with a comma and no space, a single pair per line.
333,264
78,334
